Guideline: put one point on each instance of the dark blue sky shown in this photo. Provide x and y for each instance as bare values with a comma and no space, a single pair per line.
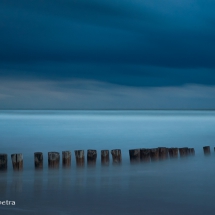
76,54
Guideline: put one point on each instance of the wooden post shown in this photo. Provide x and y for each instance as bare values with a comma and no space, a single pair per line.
66,158
145,155
17,161
154,154
191,151
38,160
79,154
3,162
116,156
134,155
163,153
183,151
105,157
91,157
53,159
206,150
173,152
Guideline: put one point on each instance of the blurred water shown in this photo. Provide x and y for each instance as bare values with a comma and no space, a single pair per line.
179,186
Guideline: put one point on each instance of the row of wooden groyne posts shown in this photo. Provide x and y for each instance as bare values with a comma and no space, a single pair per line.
136,155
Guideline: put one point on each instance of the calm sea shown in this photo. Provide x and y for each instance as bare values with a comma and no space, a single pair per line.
178,186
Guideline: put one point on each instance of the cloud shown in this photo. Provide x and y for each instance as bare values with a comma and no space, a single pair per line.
151,33
121,74
107,54
90,94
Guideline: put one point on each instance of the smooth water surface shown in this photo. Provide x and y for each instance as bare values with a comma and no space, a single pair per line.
178,186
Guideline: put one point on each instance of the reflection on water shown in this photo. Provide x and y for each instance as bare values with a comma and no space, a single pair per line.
3,183
38,181
168,186
179,186
16,185
67,181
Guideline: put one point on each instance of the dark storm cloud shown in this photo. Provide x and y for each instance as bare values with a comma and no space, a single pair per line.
127,42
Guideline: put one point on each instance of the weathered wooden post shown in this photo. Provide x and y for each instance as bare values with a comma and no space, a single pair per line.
53,159
134,155
191,151
79,154
91,157
183,151
116,156
3,162
206,150
154,154
38,160
66,158
105,157
163,153
17,161
145,155
173,152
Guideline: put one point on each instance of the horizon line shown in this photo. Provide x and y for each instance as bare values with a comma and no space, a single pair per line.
155,109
